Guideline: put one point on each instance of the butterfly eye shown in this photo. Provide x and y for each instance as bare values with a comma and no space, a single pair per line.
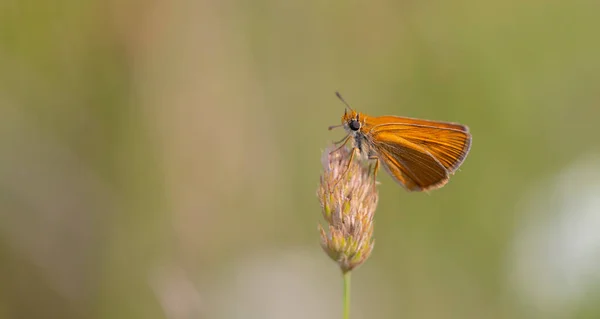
354,125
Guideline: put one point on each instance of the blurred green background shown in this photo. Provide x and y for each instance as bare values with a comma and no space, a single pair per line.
160,159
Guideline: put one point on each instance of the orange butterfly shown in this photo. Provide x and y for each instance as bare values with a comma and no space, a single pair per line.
419,154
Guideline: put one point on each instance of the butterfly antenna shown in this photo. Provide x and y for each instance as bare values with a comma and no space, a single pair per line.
343,101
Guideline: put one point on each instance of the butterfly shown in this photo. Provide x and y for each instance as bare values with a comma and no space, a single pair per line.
419,154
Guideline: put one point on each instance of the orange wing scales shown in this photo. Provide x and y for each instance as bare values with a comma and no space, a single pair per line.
419,154
412,165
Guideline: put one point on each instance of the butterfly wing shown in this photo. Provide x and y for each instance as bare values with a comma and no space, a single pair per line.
420,154
410,165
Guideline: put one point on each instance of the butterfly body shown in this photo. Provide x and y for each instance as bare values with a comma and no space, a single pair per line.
419,154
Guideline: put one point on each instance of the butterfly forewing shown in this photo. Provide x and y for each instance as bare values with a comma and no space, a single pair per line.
420,154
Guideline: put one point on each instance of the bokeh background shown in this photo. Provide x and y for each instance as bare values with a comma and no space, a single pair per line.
160,159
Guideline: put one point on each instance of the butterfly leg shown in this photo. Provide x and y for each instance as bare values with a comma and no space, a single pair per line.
373,157
347,166
376,164
344,139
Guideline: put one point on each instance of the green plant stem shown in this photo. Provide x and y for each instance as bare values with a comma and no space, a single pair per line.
347,295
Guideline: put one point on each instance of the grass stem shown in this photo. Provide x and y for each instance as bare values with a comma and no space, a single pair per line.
347,295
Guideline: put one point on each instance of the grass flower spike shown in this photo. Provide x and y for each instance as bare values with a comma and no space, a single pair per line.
348,199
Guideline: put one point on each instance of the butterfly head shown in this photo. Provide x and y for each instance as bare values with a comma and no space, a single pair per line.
351,121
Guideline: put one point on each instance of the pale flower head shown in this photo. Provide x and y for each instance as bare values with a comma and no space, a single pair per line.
348,197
